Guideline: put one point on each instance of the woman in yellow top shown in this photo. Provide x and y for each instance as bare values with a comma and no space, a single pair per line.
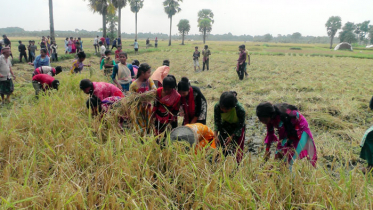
78,65
141,85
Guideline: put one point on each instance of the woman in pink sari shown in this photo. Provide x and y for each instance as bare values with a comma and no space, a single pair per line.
295,138
167,105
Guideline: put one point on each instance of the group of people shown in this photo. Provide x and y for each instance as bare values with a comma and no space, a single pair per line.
286,126
180,99
73,45
99,42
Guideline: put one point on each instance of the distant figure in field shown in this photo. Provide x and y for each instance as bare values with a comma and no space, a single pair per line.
43,44
135,67
66,45
119,49
229,118
7,43
114,44
78,49
29,52
102,50
147,43
107,42
119,41
240,68
161,73
95,44
48,70
107,64
206,57
156,42
70,45
295,138
32,49
136,46
193,103
366,145
78,65
123,73
101,90
48,41
80,43
196,55
6,74
73,46
103,40
44,82
247,61
54,51
41,60
22,51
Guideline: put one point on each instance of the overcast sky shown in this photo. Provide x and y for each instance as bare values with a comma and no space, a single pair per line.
253,17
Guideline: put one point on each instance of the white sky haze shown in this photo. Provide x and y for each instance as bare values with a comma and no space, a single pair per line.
253,17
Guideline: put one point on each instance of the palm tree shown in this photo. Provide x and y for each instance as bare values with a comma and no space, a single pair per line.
119,4
184,28
171,7
136,5
51,26
333,24
205,21
103,7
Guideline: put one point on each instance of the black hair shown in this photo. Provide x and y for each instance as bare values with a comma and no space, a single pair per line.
94,102
79,38
206,46
136,62
78,43
371,104
55,84
228,100
123,53
44,50
266,109
20,41
169,82
135,40
86,83
166,62
81,54
58,69
196,47
107,52
242,46
184,84
143,68
67,38
100,43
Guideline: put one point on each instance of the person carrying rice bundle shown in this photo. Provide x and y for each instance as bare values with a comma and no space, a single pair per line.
229,118
166,106
141,85
295,138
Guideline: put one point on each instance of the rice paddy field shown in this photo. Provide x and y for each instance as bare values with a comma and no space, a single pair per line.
54,155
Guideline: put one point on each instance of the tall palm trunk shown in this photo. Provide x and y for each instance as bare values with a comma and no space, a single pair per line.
331,41
51,26
169,41
104,23
136,25
204,36
119,22
182,43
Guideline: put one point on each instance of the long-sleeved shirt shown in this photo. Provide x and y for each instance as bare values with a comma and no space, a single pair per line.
41,61
240,111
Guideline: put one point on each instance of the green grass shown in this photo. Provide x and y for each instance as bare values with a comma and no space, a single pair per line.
53,155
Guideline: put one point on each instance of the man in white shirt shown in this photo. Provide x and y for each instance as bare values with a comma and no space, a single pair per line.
95,44
6,83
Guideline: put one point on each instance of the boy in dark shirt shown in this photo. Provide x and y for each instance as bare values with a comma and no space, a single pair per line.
241,62
196,55
54,51
22,51
29,52
7,43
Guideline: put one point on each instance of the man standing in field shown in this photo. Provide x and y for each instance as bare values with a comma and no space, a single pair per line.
95,44
7,43
206,57
32,49
103,40
22,51
241,62
196,55
6,83
247,61
107,42
102,50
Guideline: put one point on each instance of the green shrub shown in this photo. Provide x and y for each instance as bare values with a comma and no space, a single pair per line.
295,48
